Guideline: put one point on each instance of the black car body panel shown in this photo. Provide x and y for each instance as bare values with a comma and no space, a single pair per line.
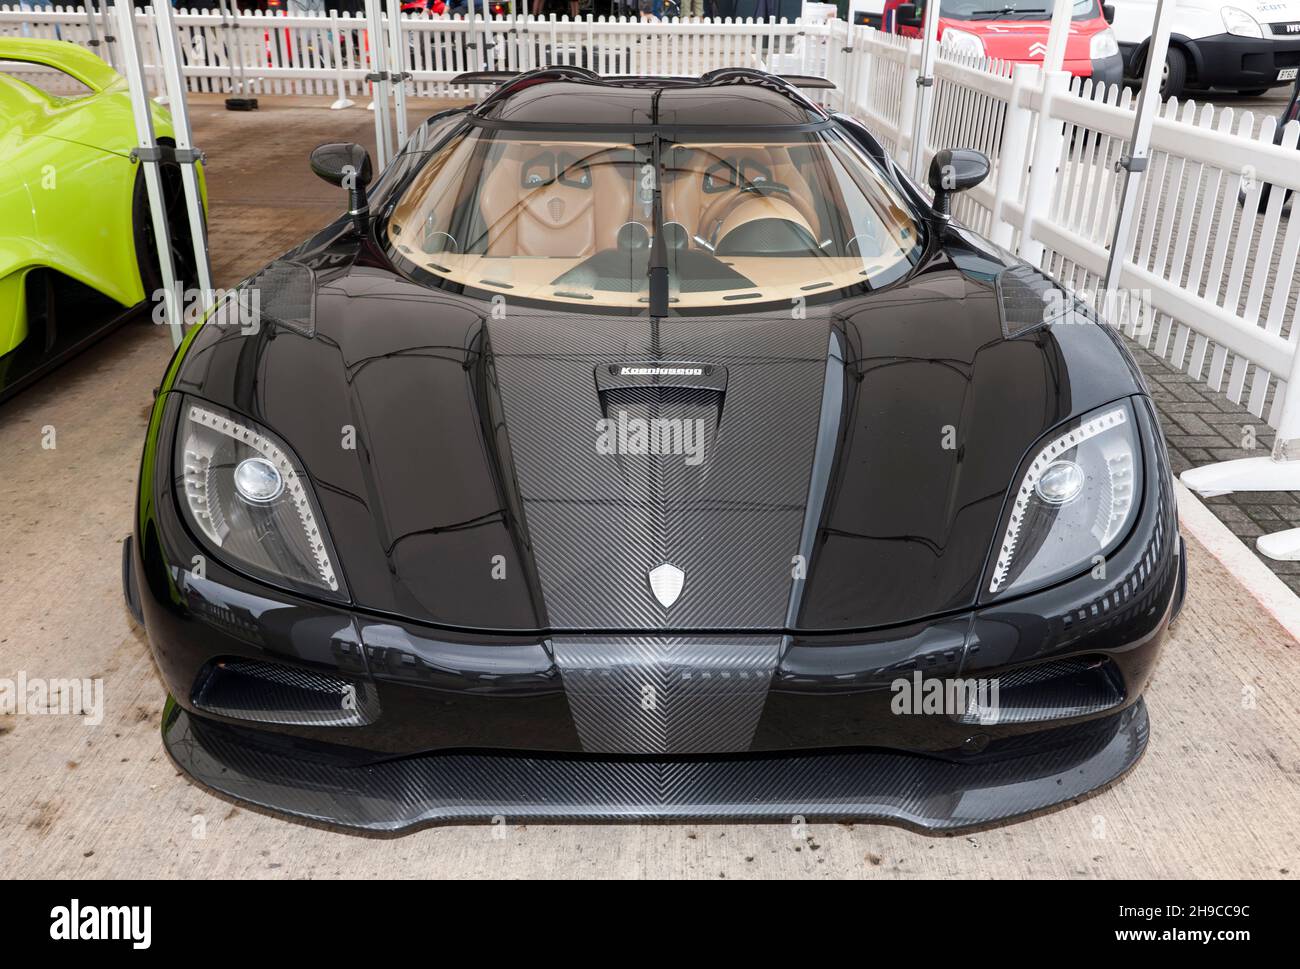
906,525
498,628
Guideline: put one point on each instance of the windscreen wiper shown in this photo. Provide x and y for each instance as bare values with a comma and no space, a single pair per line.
657,270
1007,11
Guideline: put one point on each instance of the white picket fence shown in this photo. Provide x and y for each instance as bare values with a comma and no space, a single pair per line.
329,54
1209,280
1214,280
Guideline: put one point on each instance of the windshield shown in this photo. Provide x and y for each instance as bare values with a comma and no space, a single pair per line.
571,218
1010,9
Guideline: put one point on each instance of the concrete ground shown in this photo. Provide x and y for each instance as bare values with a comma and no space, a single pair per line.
1217,794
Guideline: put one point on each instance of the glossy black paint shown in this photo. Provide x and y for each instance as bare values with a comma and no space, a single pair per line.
955,170
426,499
440,688
898,530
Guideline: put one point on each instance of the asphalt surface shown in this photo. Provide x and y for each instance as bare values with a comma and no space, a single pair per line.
1216,795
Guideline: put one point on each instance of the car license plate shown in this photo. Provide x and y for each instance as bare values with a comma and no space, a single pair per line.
1288,73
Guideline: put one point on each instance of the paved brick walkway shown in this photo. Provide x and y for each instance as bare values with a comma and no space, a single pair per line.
1201,427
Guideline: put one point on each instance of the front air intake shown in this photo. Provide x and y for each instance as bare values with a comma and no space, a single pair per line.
248,689
1056,690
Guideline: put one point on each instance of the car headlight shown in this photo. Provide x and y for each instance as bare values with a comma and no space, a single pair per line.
247,496
1241,23
1103,45
1075,501
960,42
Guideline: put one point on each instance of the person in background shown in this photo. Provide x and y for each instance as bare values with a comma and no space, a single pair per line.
691,8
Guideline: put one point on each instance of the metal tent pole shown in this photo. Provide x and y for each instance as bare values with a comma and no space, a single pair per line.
485,52
378,78
472,43
1135,162
110,40
93,43
924,86
148,156
186,154
399,75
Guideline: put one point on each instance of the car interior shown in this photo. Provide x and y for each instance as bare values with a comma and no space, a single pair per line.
574,220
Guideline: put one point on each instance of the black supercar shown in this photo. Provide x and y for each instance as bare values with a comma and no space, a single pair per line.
652,448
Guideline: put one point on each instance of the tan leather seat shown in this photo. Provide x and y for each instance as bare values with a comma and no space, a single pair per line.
573,212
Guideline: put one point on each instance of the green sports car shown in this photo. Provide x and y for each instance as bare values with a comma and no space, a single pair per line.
76,243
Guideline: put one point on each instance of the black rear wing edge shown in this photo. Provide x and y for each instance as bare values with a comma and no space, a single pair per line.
501,77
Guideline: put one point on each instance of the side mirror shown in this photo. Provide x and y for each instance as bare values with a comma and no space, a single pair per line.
907,15
1108,11
348,165
955,170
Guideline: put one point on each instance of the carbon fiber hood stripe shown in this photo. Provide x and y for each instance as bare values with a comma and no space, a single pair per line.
599,522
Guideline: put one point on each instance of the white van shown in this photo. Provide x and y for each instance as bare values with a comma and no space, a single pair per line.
1247,46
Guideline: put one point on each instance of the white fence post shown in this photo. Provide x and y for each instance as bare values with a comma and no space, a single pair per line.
1048,144
908,111
342,101
1013,160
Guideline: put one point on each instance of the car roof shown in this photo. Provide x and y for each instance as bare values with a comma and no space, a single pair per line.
574,97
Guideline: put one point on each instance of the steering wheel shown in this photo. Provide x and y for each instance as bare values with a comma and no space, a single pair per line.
716,212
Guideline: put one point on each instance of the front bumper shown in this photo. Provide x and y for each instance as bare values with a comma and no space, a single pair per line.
458,725
336,786
1243,63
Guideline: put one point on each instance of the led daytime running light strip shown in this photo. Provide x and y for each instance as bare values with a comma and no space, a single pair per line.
1070,439
292,482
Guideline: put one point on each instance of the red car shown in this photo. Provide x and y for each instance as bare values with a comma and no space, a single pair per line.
1016,31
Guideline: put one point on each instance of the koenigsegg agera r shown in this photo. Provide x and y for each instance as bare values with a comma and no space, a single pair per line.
652,448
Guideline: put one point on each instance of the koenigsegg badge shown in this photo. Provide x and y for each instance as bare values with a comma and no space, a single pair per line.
661,371
666,583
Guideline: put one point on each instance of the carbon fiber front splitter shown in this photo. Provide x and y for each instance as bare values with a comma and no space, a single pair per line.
338,786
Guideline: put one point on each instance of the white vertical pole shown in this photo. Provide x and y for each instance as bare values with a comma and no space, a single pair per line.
110,41
473,43
141,111
378,78
342,101
924,88
1135,162
397,68
1062,14
93,42
1013,160
1048,145
186,155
